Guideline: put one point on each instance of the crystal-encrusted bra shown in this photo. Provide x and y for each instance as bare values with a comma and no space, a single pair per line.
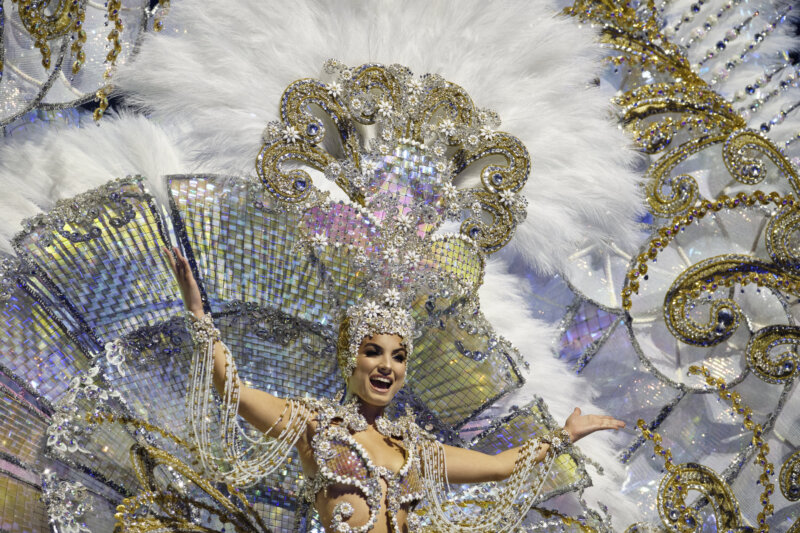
345,462
340,459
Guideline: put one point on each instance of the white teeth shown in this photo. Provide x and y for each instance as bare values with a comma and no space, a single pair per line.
384,380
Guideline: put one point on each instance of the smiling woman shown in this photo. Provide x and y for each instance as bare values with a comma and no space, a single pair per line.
380,369
364,472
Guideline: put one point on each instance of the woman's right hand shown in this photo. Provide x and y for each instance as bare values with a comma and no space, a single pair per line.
190,291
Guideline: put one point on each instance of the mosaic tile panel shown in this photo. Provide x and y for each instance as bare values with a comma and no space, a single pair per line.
37,348
113,256
21,509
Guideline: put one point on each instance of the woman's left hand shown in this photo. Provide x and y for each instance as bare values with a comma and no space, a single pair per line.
578,425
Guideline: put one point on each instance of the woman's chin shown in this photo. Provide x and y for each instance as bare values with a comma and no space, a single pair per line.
378,399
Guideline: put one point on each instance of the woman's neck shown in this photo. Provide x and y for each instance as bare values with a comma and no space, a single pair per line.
369,412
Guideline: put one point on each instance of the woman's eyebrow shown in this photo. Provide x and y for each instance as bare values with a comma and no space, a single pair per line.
398,350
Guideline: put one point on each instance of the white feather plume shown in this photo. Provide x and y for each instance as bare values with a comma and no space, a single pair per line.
43,166
505,301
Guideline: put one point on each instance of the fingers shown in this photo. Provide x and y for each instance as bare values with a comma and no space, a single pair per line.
170,258
177,262
609,422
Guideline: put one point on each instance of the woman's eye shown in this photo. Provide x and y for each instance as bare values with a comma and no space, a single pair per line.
400,358
371,353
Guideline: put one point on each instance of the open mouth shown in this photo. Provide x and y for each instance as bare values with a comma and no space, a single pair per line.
380,383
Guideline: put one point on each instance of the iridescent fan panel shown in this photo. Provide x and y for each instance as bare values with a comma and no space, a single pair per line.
105,246
21,508
153,379
36,346
22,429
643,395
243,247
457,373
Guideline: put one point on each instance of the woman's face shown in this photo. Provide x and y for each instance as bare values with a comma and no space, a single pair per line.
380,369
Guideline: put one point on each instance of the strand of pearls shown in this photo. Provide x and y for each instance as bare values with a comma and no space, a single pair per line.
241,467
513,503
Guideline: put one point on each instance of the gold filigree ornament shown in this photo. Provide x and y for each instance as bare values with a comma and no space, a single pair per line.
790,477
674,508
674,105
174,495
790,484
47,20
387,121
702,281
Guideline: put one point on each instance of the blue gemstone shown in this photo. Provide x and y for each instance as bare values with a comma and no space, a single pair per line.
474,232
720,45
497,178
312,129
725,316
300,184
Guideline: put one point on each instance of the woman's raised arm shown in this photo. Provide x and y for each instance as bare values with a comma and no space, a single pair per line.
261,409
470,466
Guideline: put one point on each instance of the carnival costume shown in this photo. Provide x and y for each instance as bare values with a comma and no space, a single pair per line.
658,308
426,132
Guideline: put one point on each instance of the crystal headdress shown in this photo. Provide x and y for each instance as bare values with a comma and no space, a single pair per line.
404,142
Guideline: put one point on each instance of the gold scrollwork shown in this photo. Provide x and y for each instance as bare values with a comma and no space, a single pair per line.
691,100
790,477
290,185
295,110
48,20
779,369
674,488
783,225
496,178
682,189
668,232
673,491
566,520
449,99
724,314
638,38
739,156
676,514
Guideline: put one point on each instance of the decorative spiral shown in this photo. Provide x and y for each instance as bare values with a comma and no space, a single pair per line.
669,195
783,225
740,155
677,514
779,369
790,478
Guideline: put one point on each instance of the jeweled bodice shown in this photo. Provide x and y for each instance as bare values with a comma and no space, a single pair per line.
341,460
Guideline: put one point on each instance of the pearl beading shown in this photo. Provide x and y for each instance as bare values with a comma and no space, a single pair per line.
236,466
